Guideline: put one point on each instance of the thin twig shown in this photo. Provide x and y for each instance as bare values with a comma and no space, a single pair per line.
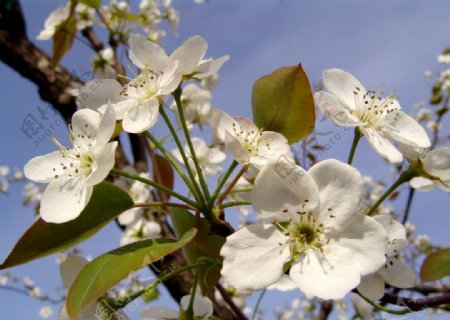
226,297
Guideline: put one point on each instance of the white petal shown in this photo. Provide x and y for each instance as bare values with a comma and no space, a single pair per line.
146,54
372,286
97,93
189,54
104,162
340,187
221,122
158,314
382,145
40,168
282,189
398,274
437,163
63,200
330,106
342,84
202,306
366,239
70,269
106,126
254,257
422,184
121,108
316,278
170,79
364,309
285,284
215,156
331,274
210,67
129,216
405,129
85,125
141,117
234,146
272,144
200,147
411,153
396,234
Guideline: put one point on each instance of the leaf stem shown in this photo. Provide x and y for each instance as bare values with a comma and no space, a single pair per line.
197,194
155,185
356,139
405,176
174,163
255,312
231,185
235,204
122,302
177,97
221,183
381,308
164,204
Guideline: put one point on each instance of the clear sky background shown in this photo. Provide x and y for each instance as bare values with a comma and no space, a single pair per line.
380,42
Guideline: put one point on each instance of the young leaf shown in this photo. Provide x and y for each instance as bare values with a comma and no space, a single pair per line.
42,238
107,270
283,102
64,36
165,170
436,266
204,244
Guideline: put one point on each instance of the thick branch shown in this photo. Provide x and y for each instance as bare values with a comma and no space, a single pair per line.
417,304
18,52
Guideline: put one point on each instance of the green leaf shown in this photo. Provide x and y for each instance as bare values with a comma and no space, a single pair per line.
283,102
42,238
64,36
91,3
110,268
436,266
204,245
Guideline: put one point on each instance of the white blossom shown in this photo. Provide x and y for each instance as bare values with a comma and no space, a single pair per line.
348,103
246,143
209,158
72,173
316,226
434,166
395,272
45,312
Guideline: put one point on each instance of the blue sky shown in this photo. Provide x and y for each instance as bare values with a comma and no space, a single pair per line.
380,42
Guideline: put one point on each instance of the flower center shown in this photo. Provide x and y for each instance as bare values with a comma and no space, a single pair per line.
76,162
249,138
371,108
143,87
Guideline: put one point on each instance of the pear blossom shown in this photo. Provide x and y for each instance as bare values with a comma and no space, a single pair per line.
394,272
196,104
70,269
45,312
246,143
209,158
317,228
434,167
147,55
52,22
139,192
72,173
140,229
348,103
202,307
103,64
